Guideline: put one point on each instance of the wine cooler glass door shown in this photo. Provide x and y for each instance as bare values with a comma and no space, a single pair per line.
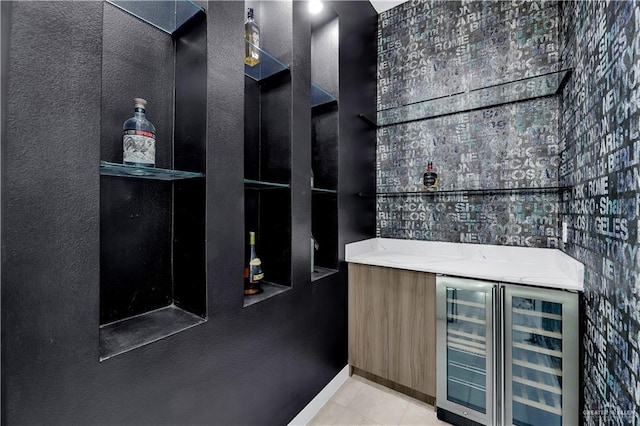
465,348
541,341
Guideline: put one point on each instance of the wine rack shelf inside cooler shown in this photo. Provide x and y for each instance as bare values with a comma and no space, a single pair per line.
466,348
537,361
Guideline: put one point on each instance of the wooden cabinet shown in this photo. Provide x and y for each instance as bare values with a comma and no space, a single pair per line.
368,319
412,329
392,325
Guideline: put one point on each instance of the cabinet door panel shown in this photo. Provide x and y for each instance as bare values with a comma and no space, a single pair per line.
412,330
368,322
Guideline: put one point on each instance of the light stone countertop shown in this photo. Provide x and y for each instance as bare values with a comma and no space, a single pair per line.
539,267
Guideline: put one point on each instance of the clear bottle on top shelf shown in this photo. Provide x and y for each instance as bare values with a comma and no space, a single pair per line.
252,37
139,137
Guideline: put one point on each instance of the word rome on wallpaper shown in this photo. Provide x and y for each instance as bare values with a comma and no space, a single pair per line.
587,140
600,160
431,49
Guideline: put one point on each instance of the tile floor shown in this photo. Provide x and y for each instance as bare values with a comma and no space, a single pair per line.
362,402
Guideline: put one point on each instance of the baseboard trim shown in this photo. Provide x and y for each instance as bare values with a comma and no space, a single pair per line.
312,408
395,386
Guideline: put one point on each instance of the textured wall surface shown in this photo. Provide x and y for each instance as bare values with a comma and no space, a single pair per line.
509,146
600,160
51,213
434,49
256,365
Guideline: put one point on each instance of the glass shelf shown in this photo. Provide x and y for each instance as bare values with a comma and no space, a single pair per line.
319,96
259,184
267,66
324,191
550,189
124,170
167,16
500,94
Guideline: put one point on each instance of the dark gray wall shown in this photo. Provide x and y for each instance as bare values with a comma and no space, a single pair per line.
255,365
357,146
324,54
600,160
5,31
434,49
50,218
325,140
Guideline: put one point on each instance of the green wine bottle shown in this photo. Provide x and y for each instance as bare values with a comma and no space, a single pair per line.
255,268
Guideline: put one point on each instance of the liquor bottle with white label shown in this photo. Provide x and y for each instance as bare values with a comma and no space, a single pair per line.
255,268
139,137
252,43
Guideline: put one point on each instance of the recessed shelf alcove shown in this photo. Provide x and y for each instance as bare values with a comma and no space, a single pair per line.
325,138
152,220
267,149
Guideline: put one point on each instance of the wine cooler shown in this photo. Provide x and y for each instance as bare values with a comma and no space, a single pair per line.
506,354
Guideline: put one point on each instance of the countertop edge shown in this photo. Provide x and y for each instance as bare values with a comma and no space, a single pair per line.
361,252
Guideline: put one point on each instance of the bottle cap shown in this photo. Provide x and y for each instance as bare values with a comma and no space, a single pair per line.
140,102
250,12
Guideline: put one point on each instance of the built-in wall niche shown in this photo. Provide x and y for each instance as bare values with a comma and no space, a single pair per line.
267,150
152,221
169,15
324,143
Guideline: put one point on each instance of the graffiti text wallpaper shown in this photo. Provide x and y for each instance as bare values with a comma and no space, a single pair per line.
434,49
600,160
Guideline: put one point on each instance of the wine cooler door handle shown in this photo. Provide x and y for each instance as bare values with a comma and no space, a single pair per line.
500,379
496,347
